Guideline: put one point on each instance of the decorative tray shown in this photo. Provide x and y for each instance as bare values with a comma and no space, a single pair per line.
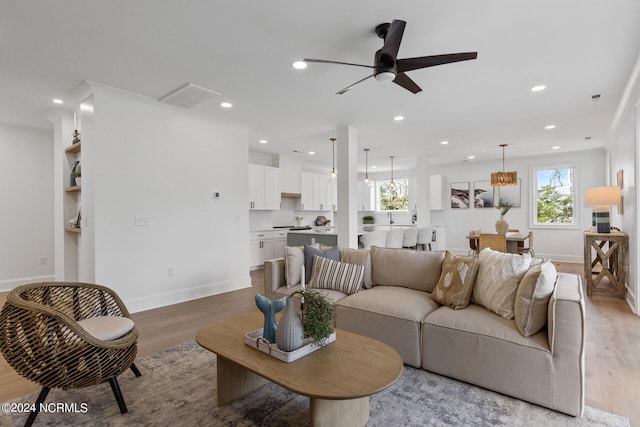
254,339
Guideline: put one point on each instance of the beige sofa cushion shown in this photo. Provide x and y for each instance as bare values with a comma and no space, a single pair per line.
456,282
532,298
330,274
358,257
418,270
497,282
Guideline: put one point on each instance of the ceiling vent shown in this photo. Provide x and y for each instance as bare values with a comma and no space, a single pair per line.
189,95
595,97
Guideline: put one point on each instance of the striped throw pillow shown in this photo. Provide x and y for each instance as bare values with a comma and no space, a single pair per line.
340,276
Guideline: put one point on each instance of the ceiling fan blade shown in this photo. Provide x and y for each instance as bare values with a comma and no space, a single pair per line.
323,61
403,80
340,92
392,41
409,64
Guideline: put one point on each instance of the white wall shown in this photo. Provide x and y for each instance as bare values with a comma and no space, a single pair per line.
26,205
624,155
559,245
149,159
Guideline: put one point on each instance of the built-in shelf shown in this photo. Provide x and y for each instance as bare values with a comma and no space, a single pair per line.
73,148
74,188
73,229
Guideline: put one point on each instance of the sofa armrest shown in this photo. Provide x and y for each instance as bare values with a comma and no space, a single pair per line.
565,326
273,277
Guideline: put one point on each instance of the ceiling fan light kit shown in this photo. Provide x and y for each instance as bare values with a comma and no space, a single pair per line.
386,65
502,178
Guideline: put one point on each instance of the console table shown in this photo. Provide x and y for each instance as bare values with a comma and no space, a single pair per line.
610,250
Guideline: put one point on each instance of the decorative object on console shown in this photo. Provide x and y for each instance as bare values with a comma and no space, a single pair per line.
502,226
269,309
368,219
502,178
290,332
600,199
318,316
72,176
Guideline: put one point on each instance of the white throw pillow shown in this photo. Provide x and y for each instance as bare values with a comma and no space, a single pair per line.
532,298
293,262
497,281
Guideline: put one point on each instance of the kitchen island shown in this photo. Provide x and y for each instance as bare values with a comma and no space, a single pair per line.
321,235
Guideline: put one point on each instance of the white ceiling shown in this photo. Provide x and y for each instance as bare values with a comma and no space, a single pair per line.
244,50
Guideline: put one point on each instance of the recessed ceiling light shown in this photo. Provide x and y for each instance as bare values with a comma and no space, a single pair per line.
226,105
550,127
398,118
299,65
311,153
555,147
374,167
263,141
444,142
58,101
538,88
471,157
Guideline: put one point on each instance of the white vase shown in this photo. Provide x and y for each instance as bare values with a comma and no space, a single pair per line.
290,331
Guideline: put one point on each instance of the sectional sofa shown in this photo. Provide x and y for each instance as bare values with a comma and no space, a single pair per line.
471,343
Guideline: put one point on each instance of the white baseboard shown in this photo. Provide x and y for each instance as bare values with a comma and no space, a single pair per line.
7,285
169,298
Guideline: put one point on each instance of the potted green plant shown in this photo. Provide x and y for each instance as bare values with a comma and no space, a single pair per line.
368,219
318,315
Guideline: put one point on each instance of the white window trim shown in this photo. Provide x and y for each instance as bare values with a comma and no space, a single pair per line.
533,197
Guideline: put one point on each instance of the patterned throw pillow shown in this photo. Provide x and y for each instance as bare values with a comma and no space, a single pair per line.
456,281
497,281
340,276
532,298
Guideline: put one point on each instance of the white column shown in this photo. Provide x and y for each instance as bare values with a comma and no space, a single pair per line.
347,217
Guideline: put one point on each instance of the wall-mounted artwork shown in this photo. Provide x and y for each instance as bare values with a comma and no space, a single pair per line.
459,195
483,194
509,195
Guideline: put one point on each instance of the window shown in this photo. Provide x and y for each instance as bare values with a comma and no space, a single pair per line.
554,203
394,198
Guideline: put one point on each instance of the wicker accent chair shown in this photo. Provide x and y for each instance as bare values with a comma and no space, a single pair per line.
497,242
41,339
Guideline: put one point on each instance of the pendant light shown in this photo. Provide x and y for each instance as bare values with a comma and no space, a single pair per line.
499,179
392,184
333,157
366,165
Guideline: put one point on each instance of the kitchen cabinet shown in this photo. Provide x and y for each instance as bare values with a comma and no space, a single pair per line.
260,247
279,243
315,192
367,200
264,188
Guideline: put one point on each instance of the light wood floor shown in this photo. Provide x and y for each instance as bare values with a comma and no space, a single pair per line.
612,343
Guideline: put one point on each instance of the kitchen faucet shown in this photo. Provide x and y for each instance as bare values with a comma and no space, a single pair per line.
390,218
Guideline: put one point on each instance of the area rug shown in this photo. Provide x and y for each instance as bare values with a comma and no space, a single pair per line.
178,388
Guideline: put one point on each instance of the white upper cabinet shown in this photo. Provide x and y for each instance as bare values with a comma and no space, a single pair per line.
315,192
367,201
264,188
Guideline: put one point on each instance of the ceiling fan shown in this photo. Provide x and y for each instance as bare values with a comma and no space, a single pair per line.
386,66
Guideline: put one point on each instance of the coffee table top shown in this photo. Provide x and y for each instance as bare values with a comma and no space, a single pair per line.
351,367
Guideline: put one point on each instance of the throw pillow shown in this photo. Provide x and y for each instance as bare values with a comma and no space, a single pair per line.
419,270
358,257
293,262
497,281
532,298
340,276
309,252
456,281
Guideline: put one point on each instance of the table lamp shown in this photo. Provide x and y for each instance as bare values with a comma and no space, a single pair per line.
600,199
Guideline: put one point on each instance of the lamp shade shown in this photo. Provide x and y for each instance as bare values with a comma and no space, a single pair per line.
602,196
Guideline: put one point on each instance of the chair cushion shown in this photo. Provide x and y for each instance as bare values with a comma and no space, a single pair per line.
340,276
456,282
107,328
497,280
532,298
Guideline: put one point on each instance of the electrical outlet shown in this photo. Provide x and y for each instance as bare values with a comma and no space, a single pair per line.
142,221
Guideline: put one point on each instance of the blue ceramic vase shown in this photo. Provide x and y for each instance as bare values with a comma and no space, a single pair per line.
269,309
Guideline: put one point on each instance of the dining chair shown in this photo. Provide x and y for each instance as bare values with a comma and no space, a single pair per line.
530,248
497,242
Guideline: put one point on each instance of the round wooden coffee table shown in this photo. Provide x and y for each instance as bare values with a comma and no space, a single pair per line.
338,378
